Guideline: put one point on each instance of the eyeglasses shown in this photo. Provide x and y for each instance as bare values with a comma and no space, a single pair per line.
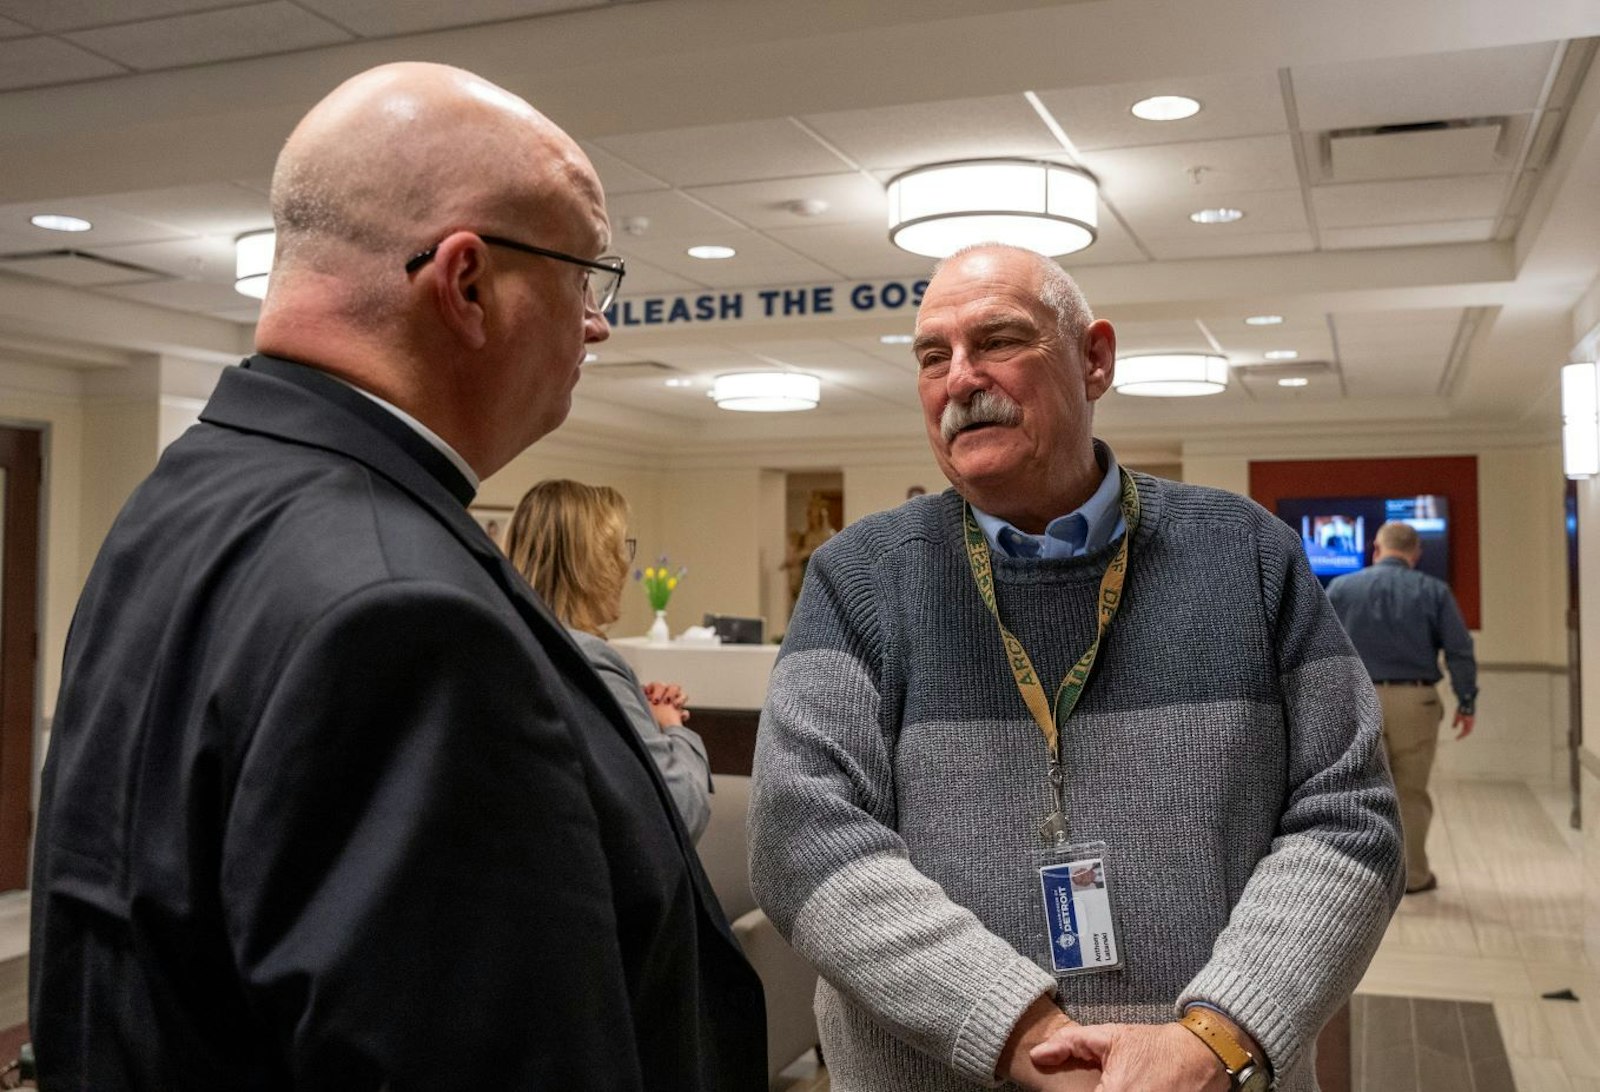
631,545
602,275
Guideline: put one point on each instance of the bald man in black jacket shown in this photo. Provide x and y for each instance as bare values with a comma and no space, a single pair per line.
332,801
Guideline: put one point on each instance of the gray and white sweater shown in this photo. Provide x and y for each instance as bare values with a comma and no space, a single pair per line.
1227,750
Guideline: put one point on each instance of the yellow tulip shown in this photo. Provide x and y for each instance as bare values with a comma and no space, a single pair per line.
649,574
672,582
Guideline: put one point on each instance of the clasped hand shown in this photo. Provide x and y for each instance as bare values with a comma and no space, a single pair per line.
668,705
1050,1053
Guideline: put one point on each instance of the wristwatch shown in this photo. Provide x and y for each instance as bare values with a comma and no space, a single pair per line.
1245,1074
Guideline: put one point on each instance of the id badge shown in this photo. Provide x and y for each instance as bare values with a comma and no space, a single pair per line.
1079,928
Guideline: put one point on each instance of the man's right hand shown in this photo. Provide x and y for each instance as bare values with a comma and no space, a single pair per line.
1038,1023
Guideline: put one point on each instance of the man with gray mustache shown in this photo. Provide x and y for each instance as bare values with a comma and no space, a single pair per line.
1068,775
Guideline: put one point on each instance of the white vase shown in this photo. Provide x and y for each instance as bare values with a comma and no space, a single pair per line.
659,634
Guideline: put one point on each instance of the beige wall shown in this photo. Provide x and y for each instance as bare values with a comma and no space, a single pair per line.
1522,712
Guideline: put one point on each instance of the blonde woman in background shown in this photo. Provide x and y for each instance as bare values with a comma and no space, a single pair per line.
569,540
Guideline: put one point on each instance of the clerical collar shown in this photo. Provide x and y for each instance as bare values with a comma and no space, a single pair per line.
1095,523
422,430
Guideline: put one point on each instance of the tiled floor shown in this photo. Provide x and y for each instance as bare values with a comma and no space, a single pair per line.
1403,1044
1504,927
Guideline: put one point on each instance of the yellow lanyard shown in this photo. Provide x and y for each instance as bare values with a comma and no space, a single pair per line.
1049,716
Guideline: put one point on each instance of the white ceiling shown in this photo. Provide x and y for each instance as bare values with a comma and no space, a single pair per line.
1425,275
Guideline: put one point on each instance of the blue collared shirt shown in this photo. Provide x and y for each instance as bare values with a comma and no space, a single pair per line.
1093,525
1399,620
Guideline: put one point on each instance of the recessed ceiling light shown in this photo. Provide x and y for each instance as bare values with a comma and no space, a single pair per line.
590,358
1264,320
1166,108
680,382
1293,381
1281,354
51,221
1216,216
896,339
711,253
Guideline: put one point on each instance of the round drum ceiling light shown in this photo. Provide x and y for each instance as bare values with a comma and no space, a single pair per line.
1166,108
1217,216
1282,354
1046,207
252,262
1294,381
1171,375
711,252
54,221
766,392
1264,320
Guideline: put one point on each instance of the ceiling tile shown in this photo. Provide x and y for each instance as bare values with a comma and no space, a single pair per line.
1320,389
76,14
1167,216
203,259
760,261
255,30
77,270
1251,347
1435,87
1447,231
739,152
930,132
246,316
1416,201
195,296
670,215
1229,246
111,226
851,197
1112,245
1195,171
617,177
219,208
1231,105
33,62
858,251
644,278
383,18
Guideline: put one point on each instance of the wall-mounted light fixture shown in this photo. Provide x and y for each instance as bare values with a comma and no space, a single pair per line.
1580,421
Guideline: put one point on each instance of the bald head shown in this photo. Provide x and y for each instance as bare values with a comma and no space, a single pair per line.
1055,287
402,154
480,339
1398,540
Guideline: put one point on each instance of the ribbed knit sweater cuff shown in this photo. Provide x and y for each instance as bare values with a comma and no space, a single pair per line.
983,1034
1249,1006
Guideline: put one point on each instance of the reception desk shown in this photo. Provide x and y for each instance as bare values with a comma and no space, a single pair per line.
725,685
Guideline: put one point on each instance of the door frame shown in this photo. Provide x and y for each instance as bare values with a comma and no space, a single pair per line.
22,456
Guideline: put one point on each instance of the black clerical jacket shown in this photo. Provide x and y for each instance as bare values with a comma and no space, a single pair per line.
333,802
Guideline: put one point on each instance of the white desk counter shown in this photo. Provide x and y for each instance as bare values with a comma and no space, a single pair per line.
718,676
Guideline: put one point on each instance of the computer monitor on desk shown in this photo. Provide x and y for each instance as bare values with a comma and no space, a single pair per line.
737,631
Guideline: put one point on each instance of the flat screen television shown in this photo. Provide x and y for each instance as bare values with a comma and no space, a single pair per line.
1337,532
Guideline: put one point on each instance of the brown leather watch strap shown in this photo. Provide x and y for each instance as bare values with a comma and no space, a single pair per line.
1215,1034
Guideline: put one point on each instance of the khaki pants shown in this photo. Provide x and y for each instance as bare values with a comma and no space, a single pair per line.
1411,716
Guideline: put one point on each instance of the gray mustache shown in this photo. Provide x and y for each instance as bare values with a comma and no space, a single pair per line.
983,408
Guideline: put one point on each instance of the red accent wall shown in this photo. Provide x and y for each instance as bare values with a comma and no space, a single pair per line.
1455,477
